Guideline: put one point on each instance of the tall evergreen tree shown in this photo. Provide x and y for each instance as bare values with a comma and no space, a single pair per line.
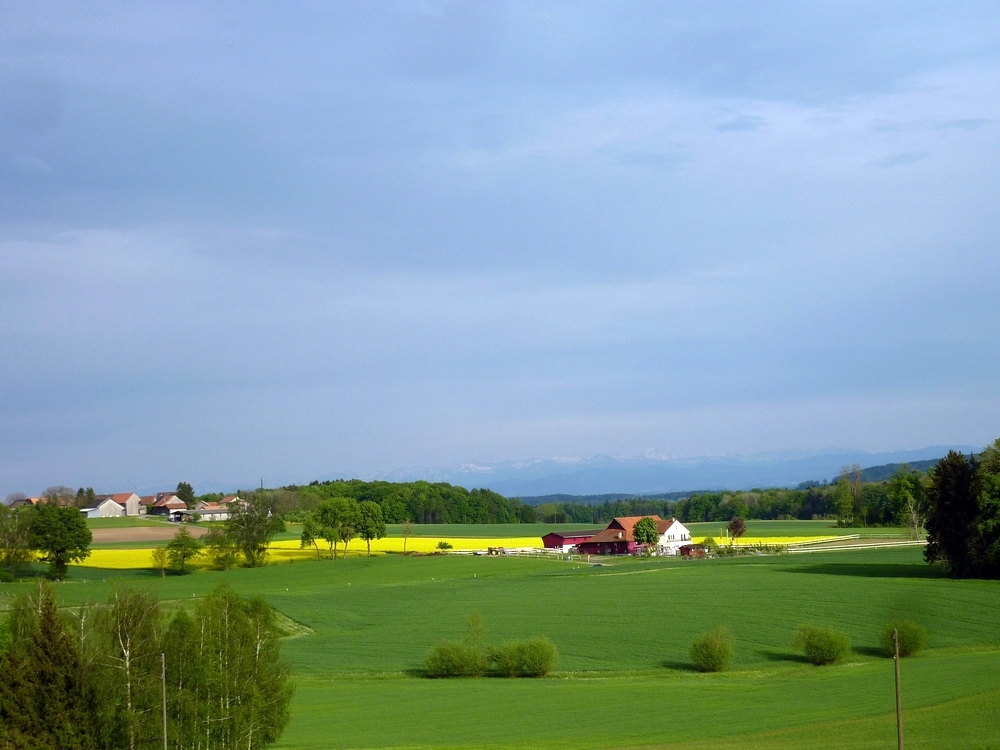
986,544
45,699
952,509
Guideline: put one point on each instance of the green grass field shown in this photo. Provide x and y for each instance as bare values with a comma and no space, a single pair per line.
623,631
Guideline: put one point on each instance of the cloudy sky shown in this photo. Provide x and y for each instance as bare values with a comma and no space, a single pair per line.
288,239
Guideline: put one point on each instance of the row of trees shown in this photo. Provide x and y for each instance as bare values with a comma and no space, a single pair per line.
962,505
341,519
95,677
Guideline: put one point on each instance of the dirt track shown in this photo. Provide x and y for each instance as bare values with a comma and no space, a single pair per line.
143,533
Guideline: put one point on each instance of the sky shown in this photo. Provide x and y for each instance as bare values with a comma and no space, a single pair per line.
284,240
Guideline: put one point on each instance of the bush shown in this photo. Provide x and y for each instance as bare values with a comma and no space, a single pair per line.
822,645
912,637
535,657
455,659
507,658
713,651
6,576
539,657
443,545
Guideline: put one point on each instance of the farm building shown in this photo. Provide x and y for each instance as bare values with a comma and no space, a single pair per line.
617,538
128,500
103,508
166,504
564,540
209,511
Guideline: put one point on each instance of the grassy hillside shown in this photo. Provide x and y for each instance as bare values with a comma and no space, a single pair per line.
623,631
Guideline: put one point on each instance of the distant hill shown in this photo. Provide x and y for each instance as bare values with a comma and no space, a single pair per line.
600,499
883,472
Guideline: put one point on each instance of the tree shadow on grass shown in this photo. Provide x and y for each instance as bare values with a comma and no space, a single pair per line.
680,666
870,651
785,656
873,570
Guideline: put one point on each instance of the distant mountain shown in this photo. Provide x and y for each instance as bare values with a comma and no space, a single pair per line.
883,472
607,475
599,499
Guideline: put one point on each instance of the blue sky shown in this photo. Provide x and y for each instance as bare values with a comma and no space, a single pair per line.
285,240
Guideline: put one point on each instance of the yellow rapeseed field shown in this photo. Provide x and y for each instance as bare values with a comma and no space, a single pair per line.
287,550
123,559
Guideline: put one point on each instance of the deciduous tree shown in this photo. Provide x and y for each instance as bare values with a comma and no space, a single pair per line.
252,525
159,559
15,537
60,535
645,531
182,548
370,523
737,528
221,547
310,534
128,668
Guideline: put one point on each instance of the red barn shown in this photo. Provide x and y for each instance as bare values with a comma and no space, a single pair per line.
565,539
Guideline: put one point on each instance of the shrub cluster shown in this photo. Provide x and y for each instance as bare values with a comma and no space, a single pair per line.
912,638
822,645
713,651
455,659
535,657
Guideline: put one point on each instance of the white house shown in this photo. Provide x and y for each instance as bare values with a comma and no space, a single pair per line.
106,508
673,537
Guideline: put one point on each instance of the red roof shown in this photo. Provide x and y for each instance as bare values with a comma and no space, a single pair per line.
620,529
582,534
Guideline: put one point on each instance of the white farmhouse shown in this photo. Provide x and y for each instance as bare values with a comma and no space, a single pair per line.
673,536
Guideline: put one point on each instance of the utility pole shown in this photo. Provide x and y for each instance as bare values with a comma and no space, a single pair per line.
899,703
163,683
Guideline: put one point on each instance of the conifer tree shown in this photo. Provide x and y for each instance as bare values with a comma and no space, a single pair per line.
45,699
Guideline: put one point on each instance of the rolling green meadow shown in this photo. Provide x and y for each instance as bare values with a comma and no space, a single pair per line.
359,629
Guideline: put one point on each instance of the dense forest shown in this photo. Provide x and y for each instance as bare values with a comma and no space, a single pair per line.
420,502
